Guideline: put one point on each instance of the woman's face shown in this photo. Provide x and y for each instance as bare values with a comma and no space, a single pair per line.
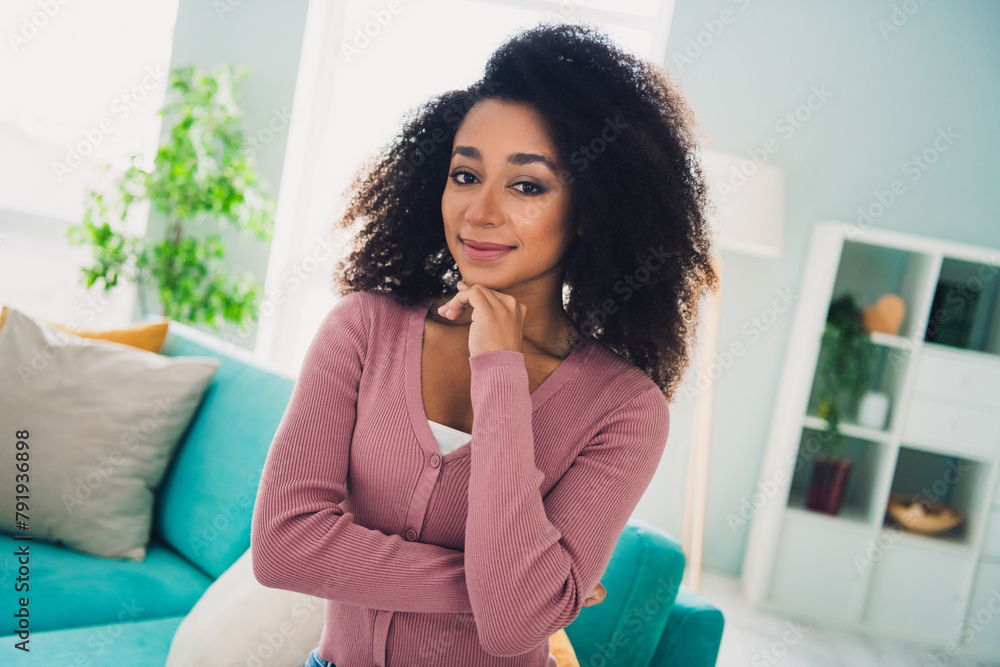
504,187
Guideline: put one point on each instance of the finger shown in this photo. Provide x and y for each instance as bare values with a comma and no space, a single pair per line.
490,297
470,297
454,306
482,298
500,300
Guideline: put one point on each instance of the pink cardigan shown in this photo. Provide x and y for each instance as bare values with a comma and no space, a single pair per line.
470,559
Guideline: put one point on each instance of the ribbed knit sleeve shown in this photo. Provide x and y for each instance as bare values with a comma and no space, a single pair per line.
531,562
301,539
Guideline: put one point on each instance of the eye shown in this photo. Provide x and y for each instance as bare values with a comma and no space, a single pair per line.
533,188
457,173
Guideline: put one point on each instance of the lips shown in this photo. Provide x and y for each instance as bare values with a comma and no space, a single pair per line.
479,252
485,246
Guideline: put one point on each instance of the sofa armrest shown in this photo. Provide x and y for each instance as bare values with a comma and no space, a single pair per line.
693,634
642,578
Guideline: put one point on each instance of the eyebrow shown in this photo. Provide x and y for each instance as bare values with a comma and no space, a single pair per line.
514,158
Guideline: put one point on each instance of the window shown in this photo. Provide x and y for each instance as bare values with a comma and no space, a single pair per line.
82,85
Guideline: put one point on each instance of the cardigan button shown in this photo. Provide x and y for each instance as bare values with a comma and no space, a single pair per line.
411,535
435,461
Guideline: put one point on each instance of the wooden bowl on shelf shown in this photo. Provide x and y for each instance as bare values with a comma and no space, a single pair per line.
921,515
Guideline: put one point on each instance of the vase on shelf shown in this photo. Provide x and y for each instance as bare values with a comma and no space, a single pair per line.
874,410
828,484
885,315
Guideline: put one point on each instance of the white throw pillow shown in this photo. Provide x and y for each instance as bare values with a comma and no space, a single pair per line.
87,428
239,621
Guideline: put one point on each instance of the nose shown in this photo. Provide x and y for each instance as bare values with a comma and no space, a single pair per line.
484,211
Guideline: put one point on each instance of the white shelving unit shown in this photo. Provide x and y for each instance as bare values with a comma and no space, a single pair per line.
941,440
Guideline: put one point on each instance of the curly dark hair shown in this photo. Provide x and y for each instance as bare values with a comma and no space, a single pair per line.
635,276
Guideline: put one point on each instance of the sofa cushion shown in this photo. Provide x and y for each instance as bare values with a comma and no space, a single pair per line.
147,335
694,634
642,578
206,500
70,589
96,424
138,644
239,620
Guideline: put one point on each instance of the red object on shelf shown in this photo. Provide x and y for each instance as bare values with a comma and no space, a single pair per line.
828,484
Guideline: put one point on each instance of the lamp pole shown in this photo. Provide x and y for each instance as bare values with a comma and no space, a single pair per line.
696,497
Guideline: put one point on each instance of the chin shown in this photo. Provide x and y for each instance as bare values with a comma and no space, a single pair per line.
483,278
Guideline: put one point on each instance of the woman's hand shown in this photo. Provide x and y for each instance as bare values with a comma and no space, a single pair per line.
596,596
497,318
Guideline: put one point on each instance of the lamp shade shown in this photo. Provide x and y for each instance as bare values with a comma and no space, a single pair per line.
749,201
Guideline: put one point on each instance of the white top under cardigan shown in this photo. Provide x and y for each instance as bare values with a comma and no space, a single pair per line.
449,439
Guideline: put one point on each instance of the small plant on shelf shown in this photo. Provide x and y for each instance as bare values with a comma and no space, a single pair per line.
845,372
845,366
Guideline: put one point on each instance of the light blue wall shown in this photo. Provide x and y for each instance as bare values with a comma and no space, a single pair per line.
891,92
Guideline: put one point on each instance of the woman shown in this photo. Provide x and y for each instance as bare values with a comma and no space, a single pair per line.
479,414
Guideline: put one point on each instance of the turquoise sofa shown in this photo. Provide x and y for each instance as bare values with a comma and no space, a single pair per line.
92,612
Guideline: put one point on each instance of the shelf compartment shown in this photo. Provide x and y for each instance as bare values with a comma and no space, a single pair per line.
869,458
814,572
868,271
952,480
970,379
985,645
888,377
965,310
915,591
991,542
935,425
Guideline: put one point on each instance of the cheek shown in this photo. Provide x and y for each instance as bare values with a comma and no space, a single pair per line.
448,206
544,242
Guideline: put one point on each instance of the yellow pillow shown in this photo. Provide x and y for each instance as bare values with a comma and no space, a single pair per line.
562,650
144,335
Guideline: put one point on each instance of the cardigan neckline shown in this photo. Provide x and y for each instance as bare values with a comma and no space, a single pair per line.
414,396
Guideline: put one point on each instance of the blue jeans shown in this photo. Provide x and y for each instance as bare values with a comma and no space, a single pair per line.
315,661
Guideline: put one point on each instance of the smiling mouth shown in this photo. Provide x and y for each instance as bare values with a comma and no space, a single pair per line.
485,246
475,254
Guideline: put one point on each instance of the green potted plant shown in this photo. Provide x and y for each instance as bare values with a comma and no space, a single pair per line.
845,371
202,175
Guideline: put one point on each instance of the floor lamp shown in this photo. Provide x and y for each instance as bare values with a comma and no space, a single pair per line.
749,201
